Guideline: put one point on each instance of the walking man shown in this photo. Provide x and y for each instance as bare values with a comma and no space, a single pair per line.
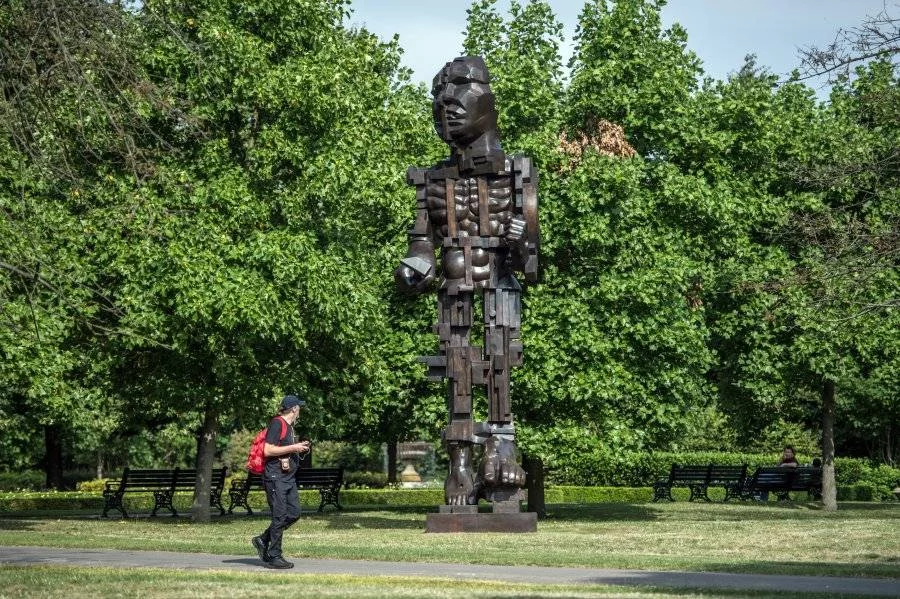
279,480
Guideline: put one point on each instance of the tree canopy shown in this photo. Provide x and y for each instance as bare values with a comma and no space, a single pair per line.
202,205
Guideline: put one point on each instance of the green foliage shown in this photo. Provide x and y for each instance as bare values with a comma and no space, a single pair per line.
352,457
365,480
92,486
522,53
27,480
234,456
597,465
630,71
224,184
50,500
571,494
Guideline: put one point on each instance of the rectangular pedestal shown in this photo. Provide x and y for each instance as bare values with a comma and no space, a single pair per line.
504,522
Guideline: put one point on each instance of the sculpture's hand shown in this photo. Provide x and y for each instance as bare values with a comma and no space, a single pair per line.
409,280
406,277
516,230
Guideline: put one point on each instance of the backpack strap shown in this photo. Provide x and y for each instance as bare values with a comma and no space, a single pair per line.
283,429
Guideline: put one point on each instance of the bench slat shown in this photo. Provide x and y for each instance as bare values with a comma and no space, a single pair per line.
163,483
325,480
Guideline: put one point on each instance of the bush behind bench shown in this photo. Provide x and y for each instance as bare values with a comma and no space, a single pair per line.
636,469
142,504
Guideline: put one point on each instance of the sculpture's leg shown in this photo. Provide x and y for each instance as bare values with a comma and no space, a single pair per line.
454,327
502,349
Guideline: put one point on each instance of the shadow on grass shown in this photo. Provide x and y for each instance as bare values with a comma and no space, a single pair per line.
725,512
16,524
888,569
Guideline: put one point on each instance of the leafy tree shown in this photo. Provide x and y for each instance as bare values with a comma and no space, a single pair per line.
254,262
71,116
522,55
628,70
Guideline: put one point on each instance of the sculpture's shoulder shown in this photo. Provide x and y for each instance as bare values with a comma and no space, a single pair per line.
523,169
415,175
444,169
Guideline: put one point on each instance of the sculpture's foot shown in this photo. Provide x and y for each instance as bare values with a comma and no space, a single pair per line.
459,488
499,465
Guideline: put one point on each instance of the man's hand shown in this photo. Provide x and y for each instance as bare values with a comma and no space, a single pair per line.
301,447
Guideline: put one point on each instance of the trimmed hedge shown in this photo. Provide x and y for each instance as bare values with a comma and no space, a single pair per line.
638,469
563,494
27,480
49,500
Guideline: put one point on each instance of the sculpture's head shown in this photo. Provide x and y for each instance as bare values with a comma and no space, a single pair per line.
463,103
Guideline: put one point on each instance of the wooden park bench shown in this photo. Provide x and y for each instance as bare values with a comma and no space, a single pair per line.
694,477
730,478
699,479
240,489
163,484
808,479
781,481
327,481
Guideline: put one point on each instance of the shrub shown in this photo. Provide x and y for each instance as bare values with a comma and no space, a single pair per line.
570,494
358,457
92,486
365,480
398,497
597,467
49,500
26,480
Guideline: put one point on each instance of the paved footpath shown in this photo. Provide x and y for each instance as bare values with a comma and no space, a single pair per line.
47,556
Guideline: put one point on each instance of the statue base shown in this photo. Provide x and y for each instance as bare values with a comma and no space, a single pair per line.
466,518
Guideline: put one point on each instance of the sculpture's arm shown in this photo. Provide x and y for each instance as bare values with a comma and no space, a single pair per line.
417,270
524,231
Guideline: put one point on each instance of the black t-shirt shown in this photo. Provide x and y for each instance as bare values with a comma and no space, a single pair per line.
273,437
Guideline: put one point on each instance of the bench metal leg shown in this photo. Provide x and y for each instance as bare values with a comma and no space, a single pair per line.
113,501
238,499
330,497
662,491
163,499
732,491
698,492
215,500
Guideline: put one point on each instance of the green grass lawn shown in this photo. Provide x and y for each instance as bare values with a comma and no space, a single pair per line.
99,583
858,540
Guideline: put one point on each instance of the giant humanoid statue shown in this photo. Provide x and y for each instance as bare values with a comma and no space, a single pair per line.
479,207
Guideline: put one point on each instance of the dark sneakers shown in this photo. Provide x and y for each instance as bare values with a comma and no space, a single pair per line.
279,563
260,547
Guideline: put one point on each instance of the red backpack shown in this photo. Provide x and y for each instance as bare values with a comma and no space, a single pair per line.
256,460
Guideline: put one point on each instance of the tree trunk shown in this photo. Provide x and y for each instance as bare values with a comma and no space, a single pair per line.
53,457
99,464
829,487
534,483
206,452
392,461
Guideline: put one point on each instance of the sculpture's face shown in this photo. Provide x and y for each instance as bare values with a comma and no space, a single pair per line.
463,103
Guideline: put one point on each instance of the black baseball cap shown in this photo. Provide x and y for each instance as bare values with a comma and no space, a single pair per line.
290,401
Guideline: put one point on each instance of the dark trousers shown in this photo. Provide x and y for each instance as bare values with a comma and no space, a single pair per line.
285,506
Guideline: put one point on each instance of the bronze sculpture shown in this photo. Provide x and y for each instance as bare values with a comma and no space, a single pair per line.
479,207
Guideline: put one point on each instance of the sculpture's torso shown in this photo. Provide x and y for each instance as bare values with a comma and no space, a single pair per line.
480,212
